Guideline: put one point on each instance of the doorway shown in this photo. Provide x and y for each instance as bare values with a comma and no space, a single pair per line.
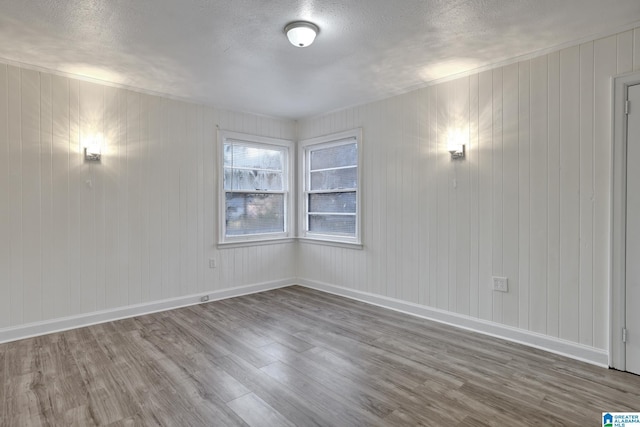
625,301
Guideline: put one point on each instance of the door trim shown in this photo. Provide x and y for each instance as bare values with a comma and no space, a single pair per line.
617,307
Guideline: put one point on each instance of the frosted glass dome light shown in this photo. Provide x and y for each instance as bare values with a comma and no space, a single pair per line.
300,33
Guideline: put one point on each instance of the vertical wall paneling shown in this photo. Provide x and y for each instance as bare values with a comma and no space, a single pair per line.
31,241
133,164
586,194
5,241
497,189
168,279
124,210
485,183
202,252
182,160
432,197
625,52
47,247
191,168
145,189
605,66
444,181
399,196
539,185
76,187
410,213
177,239
524,196
58,281
553,188
91,125
636,49
569,175
197,254
100,205
511,195
449,121
391,206
16,284
209,161
400,148
461,258
109,167
425,174
473,152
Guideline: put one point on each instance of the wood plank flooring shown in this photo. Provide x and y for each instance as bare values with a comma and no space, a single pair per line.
296,357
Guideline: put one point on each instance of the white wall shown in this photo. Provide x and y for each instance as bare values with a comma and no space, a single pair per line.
532,198
143,230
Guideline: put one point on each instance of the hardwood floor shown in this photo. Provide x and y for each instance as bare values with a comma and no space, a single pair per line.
297,357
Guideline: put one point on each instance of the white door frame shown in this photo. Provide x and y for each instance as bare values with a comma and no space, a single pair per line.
617,308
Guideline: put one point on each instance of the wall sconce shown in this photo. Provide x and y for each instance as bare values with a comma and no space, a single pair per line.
457,151
456,144
93,148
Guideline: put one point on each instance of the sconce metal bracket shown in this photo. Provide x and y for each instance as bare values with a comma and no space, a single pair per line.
91,157
458,155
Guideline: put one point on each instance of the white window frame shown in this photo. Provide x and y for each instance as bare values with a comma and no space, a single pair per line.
288,190
305,147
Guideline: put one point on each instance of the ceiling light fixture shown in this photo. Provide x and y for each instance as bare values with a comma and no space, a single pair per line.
301,33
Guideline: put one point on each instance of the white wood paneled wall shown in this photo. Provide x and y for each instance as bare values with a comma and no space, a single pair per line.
530,201
140,226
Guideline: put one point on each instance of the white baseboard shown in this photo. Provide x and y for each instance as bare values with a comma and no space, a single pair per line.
551,344
81,320
544,342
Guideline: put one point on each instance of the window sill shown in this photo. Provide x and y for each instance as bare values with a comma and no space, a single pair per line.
278,241
248,243
346,245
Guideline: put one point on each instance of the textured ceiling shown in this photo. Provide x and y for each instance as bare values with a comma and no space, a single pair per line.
234,54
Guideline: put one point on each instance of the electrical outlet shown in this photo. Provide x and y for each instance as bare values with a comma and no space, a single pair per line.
204,298
500,284
212,263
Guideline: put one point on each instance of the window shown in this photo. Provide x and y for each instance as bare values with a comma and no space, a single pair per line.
255,200
330,196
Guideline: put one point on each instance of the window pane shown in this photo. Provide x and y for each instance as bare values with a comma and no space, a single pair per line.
242,156
244,179
254,213
333,202
335,157
334,179
333,224
228,155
